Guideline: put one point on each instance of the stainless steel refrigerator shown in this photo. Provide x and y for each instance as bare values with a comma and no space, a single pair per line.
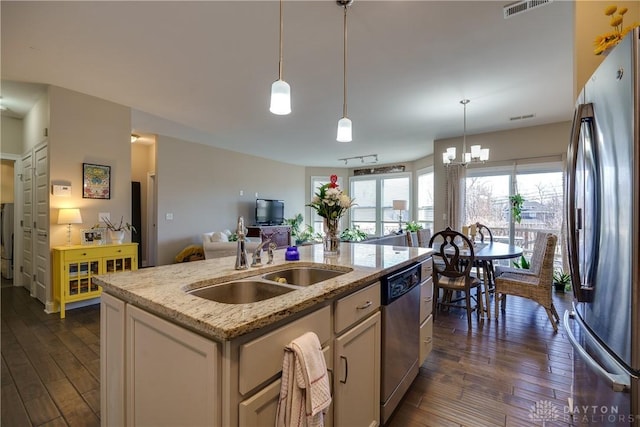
603,239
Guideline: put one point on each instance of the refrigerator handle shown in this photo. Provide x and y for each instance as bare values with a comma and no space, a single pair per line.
620,382
582,113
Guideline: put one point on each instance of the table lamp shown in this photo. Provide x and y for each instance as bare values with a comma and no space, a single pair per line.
69,216
400,205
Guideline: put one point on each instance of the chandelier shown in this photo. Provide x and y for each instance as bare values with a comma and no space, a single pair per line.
477,153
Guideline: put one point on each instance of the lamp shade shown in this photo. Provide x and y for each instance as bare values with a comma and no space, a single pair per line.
280,98
69,216
344,130
400,205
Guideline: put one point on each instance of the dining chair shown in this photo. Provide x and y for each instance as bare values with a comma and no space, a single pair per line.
409,237
535,284
452,275
424,235
535,262
488,272
483,231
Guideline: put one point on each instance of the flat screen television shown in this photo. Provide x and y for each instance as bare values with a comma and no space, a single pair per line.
269,212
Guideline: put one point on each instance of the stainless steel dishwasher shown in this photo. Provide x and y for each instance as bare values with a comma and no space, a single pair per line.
400,336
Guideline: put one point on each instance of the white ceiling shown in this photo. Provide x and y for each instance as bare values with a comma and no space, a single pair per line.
202,70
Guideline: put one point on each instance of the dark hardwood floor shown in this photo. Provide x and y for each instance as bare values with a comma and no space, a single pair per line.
490,375
494,373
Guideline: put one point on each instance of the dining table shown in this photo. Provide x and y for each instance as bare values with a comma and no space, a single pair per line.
487,252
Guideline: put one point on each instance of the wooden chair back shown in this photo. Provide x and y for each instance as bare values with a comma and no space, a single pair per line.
449,260
409,237
424,235
483,230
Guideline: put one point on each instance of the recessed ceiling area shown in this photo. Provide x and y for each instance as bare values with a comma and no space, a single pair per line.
202,71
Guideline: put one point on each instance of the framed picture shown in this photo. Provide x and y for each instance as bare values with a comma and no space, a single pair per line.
93,236
96,181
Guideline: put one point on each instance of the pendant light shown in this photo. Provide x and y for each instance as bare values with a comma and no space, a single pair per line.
344,124
477,154
280,90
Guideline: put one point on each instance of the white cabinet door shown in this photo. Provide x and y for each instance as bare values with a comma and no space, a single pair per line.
112,357
357,375
426,339
172,374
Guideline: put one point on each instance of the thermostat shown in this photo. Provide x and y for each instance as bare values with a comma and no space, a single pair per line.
61,190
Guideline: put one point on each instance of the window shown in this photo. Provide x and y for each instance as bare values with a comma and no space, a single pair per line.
425,198
374,195
542,187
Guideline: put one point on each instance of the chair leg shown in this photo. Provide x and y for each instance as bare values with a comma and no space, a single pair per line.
553,322
555,312
497,298
467,299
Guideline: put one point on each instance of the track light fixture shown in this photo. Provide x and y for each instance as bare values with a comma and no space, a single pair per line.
368,158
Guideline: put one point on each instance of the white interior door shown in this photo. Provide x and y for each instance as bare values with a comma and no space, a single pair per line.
26,267
41,226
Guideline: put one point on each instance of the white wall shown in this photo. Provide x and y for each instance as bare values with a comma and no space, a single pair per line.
86,129
35,123
11,136
200,185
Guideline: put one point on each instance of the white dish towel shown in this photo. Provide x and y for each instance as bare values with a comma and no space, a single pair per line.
305,391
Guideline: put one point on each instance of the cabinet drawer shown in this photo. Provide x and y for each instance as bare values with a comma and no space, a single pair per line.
426,298
261,358
260,409
426,339
78,254
427,269
356,306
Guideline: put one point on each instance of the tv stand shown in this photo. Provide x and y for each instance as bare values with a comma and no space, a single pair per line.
279,234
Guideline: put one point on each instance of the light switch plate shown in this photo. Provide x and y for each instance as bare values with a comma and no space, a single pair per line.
169,216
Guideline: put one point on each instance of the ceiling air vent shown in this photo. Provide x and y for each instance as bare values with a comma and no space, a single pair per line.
523,117
523,6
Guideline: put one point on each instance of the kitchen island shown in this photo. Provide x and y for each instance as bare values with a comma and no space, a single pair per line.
168,356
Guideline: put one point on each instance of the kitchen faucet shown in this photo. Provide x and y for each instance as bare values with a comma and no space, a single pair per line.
257,254
241,252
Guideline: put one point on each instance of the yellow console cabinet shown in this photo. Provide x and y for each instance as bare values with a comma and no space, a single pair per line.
73,267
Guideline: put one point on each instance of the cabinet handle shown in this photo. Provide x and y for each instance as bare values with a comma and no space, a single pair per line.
84,254
428,299
330,375
428,340
365,305
346,369
41,234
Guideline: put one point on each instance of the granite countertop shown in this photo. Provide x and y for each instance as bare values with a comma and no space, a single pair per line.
163,290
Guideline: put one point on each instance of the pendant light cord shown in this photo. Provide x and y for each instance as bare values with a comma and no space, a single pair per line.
281,30
344,69
464,103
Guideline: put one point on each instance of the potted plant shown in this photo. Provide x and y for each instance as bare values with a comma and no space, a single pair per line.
299,233
412,226
561,281
522,262
117,230
353,235
516,207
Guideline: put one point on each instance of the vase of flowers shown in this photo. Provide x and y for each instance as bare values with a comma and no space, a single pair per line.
330,202
605,42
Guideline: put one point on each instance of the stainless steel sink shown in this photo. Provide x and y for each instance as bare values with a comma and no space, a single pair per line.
302,276
241,291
